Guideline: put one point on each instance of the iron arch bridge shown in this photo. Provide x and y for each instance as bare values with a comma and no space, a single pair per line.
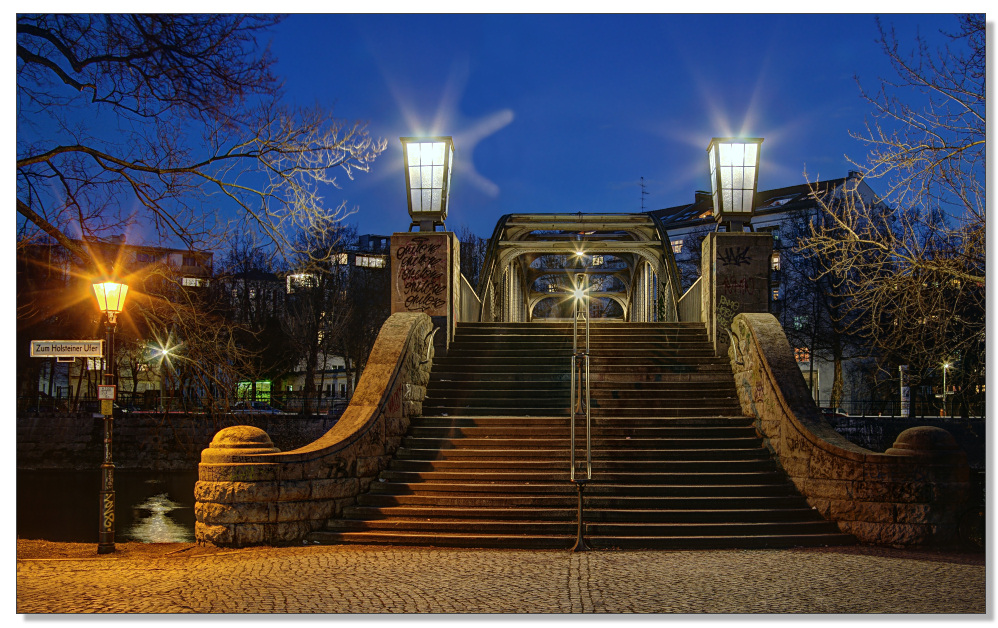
535,262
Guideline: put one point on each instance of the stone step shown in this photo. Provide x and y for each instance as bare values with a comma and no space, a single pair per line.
557,461
649,477
568,526
567,541
593,514
484,423
682,439
650,412
737,487
663,453
432,504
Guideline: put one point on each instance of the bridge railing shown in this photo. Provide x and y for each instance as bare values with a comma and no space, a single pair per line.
470,307
690,307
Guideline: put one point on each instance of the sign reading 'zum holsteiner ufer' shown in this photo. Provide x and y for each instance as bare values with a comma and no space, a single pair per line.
67,348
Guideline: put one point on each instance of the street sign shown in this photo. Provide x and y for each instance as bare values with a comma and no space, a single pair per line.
67,348
106,391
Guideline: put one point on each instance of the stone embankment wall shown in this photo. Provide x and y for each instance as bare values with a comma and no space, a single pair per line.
913,494
144,442
250,493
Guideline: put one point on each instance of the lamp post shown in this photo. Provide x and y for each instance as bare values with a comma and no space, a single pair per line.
734,175
428,162
111,300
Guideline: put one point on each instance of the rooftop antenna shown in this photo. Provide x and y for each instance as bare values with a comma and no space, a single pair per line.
644,193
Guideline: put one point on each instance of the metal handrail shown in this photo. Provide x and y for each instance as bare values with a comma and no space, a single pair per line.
580,367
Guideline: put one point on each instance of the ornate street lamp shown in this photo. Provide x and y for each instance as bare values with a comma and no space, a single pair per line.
734,175
111,300
428,162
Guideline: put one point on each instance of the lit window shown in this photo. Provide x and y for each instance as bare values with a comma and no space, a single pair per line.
341,259
799,321
776,294
301,281
252,293
677,246
370,261
802,354
775,261
597,260
194,282
552,287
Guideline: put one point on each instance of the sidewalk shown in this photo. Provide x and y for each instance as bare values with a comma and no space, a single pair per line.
354,579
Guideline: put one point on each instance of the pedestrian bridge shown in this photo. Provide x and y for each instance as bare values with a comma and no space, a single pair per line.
712,359
535,260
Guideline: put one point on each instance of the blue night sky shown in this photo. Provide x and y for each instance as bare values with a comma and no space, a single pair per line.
567,112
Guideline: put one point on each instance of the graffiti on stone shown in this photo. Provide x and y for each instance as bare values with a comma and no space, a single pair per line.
726,311
734,256
421,275
736,286
393,408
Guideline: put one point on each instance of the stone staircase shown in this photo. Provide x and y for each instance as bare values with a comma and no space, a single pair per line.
674,462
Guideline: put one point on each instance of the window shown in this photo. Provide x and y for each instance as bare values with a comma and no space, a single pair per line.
597,260
301,281
196,282
370,261
774,261
677,247
799,321
190,260
552,288
252,293
776,294
802,354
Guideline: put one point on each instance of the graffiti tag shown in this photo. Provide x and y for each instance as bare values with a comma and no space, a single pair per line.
734,257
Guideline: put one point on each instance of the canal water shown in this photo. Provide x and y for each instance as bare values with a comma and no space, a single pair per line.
150,507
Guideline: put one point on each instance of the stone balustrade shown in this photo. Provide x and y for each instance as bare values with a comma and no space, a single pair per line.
912,495
250,493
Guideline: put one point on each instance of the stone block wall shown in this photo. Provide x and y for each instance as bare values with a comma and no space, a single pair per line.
249,493
914,494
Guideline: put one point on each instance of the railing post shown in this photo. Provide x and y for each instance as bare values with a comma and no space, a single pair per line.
580,395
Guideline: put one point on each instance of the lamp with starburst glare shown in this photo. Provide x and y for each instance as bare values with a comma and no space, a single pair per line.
428,162
734,175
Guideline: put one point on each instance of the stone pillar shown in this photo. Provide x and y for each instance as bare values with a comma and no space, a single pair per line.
735,276
426,277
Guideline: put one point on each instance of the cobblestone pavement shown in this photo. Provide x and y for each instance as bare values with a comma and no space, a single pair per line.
352,579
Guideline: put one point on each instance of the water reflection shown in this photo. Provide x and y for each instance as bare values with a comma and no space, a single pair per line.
153,525
150,506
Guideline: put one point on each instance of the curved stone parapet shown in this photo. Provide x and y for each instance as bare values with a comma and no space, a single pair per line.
911,495
250,493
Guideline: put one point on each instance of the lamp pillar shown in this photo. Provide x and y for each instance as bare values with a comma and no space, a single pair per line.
105,537
735,275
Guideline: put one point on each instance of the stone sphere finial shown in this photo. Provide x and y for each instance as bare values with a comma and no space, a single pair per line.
238,440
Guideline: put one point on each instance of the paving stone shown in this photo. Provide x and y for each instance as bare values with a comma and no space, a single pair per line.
367,579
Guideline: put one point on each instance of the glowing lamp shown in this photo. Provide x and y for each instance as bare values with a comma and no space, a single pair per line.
428,162
734,175
110,297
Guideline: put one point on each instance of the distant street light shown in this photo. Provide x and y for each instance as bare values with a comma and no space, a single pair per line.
734,175
111,300
428,162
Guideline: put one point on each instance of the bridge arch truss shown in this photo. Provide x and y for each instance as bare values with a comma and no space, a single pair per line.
533,260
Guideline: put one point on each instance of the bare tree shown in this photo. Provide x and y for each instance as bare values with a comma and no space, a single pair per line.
917,273
162,120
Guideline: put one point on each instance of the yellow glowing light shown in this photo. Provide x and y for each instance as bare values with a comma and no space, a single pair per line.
110,296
